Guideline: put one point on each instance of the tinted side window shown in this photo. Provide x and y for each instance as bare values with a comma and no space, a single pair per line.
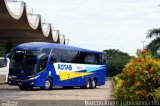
97,58
69,56
56,55
104,58
65,56
90,58
81,57
75,56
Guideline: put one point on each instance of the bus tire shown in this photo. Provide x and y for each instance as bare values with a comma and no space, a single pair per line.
88,84
94,83
23,87
48,84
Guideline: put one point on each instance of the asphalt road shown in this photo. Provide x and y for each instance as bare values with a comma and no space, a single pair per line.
56,96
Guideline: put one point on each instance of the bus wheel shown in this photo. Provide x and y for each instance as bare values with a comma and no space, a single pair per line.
88,84
94,83
48,84
23,87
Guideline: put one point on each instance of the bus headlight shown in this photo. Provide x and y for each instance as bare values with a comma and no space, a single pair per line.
32,78
10,77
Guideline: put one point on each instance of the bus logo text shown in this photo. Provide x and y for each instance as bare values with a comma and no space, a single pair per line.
64,67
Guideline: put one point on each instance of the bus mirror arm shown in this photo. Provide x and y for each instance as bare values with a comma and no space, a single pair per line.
8,55
41,55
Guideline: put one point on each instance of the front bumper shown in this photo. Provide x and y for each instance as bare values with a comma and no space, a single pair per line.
21,82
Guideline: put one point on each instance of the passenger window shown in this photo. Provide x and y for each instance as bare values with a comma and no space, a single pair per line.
81,57
74,56
56,56
62,55
97,58
89,58
65,56
69,56
104,58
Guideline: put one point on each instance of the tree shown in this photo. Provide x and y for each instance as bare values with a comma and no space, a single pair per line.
155,43
139,80
153,32
116,60
2,51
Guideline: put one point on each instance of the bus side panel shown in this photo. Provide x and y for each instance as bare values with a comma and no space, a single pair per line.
73,82
40,81
101,77
52,73
69,78
44,75
79,81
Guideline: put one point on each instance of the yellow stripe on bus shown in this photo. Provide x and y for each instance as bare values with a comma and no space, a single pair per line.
70,75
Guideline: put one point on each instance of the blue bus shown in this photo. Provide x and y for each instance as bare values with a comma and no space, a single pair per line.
44,65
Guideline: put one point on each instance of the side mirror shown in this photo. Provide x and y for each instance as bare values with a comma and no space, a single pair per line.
41,55
8,55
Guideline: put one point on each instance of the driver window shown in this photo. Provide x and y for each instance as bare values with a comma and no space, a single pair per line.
44,59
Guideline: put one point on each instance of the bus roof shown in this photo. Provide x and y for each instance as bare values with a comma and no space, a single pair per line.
43,45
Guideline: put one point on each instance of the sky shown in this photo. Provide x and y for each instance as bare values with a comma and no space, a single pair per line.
101,24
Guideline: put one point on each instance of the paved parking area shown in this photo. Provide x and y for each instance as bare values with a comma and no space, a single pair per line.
58,95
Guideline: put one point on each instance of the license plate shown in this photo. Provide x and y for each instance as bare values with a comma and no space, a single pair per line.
19,83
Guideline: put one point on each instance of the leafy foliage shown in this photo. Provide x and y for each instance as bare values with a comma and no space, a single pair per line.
139,79
155,43
116,60
153,47
2,52
153,32
156,94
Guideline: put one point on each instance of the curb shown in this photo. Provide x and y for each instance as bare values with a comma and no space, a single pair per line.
3,83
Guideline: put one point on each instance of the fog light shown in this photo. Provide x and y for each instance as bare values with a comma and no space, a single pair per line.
32,83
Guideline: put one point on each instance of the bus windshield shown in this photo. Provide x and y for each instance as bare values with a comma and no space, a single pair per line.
24,62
